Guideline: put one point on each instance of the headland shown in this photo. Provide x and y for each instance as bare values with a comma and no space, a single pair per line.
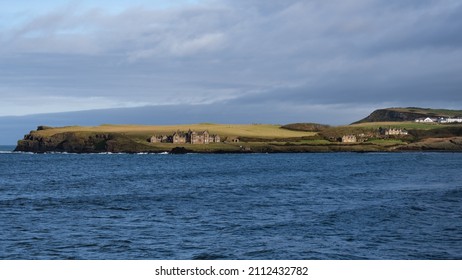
385,130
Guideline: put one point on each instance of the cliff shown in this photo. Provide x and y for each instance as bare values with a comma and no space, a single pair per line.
78,142
407,114
113,143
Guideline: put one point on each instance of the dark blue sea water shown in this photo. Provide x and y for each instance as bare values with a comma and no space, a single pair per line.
250,206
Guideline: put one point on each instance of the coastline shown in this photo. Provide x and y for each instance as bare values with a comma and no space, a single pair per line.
268,149
237,139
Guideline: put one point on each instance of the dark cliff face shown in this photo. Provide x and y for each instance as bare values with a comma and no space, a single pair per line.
390,115
63,142
75,142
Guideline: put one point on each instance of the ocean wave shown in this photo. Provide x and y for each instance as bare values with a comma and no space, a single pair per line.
16,152
67,153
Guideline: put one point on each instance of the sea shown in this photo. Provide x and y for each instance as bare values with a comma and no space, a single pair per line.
301,206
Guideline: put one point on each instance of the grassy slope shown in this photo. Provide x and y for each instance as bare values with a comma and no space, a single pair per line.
257,131
420,130
437,112
402,125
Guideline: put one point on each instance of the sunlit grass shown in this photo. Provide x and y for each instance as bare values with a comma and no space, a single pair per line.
386,142
401,125
225,130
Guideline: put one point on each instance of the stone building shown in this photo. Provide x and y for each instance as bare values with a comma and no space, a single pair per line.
202,137
179,137
215,138
232,139
159,139
191,137
349,139
393,131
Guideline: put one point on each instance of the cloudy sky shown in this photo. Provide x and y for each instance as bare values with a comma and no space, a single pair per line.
325,61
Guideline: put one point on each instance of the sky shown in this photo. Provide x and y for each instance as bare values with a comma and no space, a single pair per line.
328,61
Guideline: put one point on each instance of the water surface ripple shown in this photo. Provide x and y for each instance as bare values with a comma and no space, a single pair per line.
256,206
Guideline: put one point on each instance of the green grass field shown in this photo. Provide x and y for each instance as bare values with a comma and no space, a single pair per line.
387,142
267,131
401,125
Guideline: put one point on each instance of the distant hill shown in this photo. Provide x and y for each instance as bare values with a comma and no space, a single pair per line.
315,127
407,114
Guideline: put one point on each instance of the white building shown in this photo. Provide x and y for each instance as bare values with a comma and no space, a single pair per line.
440,120
454,120
426,120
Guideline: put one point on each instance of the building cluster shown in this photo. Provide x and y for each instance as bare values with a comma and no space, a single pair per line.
191,137
397,132
381,133
439,120
392,131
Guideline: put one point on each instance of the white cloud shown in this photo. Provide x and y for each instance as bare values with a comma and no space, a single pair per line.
17,105
181,47
206,42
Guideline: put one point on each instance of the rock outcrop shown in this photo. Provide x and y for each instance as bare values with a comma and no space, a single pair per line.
452,144
64,142
87,142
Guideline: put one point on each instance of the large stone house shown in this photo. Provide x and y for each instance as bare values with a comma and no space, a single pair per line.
349,139
191,137
203,137
179,137
159,139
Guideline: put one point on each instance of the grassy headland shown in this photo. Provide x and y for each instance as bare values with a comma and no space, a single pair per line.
135,138
298,137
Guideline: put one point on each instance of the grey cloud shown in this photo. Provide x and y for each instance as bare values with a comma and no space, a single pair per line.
267,28
274,52
14,128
